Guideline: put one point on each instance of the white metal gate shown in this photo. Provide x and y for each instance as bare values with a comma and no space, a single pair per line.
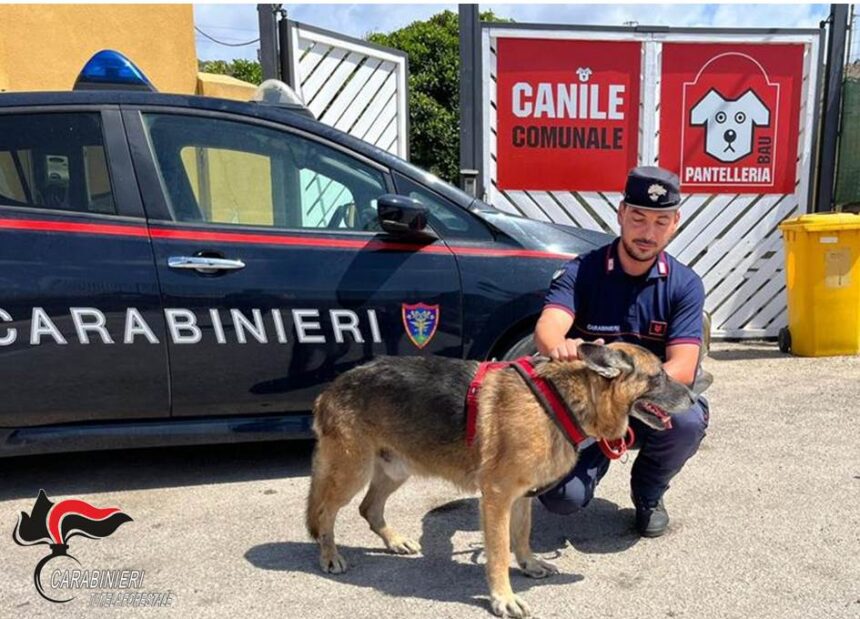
353,85
731,240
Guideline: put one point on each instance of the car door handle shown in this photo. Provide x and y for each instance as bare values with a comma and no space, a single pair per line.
204,264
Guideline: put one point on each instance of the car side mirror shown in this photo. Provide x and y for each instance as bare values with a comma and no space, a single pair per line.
402,215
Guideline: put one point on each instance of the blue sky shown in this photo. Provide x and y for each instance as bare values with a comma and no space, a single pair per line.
237,23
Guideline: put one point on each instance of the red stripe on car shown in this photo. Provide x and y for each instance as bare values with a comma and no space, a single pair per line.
32,225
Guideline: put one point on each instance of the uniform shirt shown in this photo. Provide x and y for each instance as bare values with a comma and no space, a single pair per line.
655,310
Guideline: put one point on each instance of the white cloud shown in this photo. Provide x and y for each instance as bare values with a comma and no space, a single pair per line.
238,23
357,20
231,23
770,16
678,15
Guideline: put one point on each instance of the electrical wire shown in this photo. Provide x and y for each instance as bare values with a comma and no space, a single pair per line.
210,27
214,40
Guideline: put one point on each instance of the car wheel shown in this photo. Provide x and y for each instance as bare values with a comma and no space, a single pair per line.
524,347
784,340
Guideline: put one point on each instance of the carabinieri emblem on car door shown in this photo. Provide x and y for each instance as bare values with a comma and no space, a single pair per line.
420,321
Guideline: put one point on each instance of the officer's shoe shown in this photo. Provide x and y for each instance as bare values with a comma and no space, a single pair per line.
652,519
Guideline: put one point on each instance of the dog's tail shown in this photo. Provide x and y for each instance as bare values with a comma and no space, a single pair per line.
326,429
314,510
314,506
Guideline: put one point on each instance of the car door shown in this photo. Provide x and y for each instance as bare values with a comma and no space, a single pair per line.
81,329
274,273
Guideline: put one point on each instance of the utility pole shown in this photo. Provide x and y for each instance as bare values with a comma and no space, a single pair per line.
285,49
471,111
832,105
268,52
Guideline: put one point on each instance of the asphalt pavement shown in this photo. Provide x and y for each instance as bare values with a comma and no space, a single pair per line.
765,523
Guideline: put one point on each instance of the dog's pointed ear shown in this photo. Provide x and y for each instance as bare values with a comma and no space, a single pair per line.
606,361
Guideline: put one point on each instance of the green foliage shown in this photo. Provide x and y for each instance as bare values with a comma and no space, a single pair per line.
433,47
245,70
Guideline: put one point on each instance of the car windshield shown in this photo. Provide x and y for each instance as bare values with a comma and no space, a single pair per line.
452,192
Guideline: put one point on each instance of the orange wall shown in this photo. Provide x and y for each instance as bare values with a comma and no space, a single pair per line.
44,47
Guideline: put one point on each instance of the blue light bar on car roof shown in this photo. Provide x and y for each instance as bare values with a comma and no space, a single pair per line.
110,70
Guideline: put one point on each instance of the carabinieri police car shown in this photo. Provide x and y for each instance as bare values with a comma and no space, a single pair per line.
183,269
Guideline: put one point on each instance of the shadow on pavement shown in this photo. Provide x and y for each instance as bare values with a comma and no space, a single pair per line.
601,528
432,575
137,469
748,353
439,573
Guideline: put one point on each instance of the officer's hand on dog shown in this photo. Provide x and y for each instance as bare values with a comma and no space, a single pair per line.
569,349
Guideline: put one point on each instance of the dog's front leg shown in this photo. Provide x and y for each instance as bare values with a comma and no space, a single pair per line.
496,519
521,527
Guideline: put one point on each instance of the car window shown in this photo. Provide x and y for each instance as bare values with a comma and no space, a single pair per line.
321,196
223,171
54,161
446,218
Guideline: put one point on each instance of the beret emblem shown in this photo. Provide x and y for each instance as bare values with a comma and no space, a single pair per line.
655,191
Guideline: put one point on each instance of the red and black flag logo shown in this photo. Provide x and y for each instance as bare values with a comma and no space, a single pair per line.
55,523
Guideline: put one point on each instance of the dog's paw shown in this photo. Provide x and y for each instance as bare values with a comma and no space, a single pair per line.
536,568
403,546
509,606
334,564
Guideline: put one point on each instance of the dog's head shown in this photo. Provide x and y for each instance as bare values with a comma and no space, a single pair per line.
584,73
630,381
729,123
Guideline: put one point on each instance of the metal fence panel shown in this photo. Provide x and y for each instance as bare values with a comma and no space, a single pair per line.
351,85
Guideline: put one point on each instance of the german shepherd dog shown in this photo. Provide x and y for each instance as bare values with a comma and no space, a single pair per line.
394,417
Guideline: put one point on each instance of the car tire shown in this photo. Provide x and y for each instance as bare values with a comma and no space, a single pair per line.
784,340
524,347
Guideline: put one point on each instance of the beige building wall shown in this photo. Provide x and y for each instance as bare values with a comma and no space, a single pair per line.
224,86
44,46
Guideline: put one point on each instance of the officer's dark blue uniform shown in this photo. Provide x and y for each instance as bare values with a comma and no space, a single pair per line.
656,310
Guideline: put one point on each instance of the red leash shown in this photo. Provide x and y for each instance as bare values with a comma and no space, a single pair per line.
552,403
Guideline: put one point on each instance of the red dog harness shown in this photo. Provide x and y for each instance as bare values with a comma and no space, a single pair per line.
552,403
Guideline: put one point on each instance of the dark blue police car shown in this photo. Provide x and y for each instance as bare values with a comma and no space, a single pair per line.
182,269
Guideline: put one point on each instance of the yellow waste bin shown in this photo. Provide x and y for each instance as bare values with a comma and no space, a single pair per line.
822,272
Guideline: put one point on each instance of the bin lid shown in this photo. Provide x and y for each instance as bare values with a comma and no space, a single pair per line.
822,222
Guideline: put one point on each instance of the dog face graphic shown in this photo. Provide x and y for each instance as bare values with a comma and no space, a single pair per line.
729,123
584,73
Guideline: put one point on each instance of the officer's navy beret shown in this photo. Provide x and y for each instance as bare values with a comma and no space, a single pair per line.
652,188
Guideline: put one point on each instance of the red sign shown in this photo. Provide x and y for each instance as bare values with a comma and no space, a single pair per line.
568,113
730,116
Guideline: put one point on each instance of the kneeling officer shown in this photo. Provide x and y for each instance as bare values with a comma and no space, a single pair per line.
632,290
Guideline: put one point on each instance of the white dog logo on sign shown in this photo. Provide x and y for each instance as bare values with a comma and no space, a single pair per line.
729,123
